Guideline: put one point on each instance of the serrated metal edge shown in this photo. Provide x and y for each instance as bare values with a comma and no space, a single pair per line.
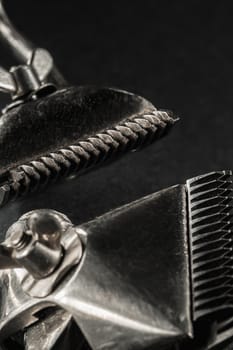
210,226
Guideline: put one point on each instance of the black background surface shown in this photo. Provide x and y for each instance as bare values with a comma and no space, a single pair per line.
178,54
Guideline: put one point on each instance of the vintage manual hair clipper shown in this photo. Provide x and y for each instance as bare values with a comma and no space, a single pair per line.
154,274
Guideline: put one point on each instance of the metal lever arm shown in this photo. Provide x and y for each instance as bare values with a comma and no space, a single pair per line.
21,48
14,41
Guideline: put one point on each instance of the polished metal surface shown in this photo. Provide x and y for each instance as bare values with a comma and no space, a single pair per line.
123,295
7,83
16,43
28,82
153,274
137,285
46,245
46,332
29,78
35,241
36,74
210,224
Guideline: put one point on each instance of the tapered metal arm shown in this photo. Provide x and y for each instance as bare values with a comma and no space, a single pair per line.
13,40
21,48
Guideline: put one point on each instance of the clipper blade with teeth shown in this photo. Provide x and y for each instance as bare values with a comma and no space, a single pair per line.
155,274
211,249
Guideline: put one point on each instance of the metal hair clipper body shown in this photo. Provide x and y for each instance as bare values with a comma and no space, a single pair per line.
152,274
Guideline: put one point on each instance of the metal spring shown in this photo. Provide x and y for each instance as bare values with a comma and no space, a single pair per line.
132,134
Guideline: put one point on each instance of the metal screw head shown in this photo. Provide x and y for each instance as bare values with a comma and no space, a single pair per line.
35,241
46,245
47,226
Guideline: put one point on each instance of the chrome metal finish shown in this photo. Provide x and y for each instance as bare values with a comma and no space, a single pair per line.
121,293
144,279
16,43
35,76
73,251
27,81
109,276
210,199
35,241
42,63
7,83
46,332
46,245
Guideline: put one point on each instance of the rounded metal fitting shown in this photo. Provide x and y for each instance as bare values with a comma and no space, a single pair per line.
46,244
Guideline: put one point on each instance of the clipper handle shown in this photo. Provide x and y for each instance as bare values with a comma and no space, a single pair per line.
18,46
22,49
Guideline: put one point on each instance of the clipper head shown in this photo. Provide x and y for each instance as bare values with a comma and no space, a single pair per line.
154,274
211,251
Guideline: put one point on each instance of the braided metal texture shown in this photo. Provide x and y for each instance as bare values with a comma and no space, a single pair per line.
132,134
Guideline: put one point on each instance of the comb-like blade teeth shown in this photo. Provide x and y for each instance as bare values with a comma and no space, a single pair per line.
208,203
211,241
212,235
212,210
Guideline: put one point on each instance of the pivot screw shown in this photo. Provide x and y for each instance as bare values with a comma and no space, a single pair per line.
35,241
